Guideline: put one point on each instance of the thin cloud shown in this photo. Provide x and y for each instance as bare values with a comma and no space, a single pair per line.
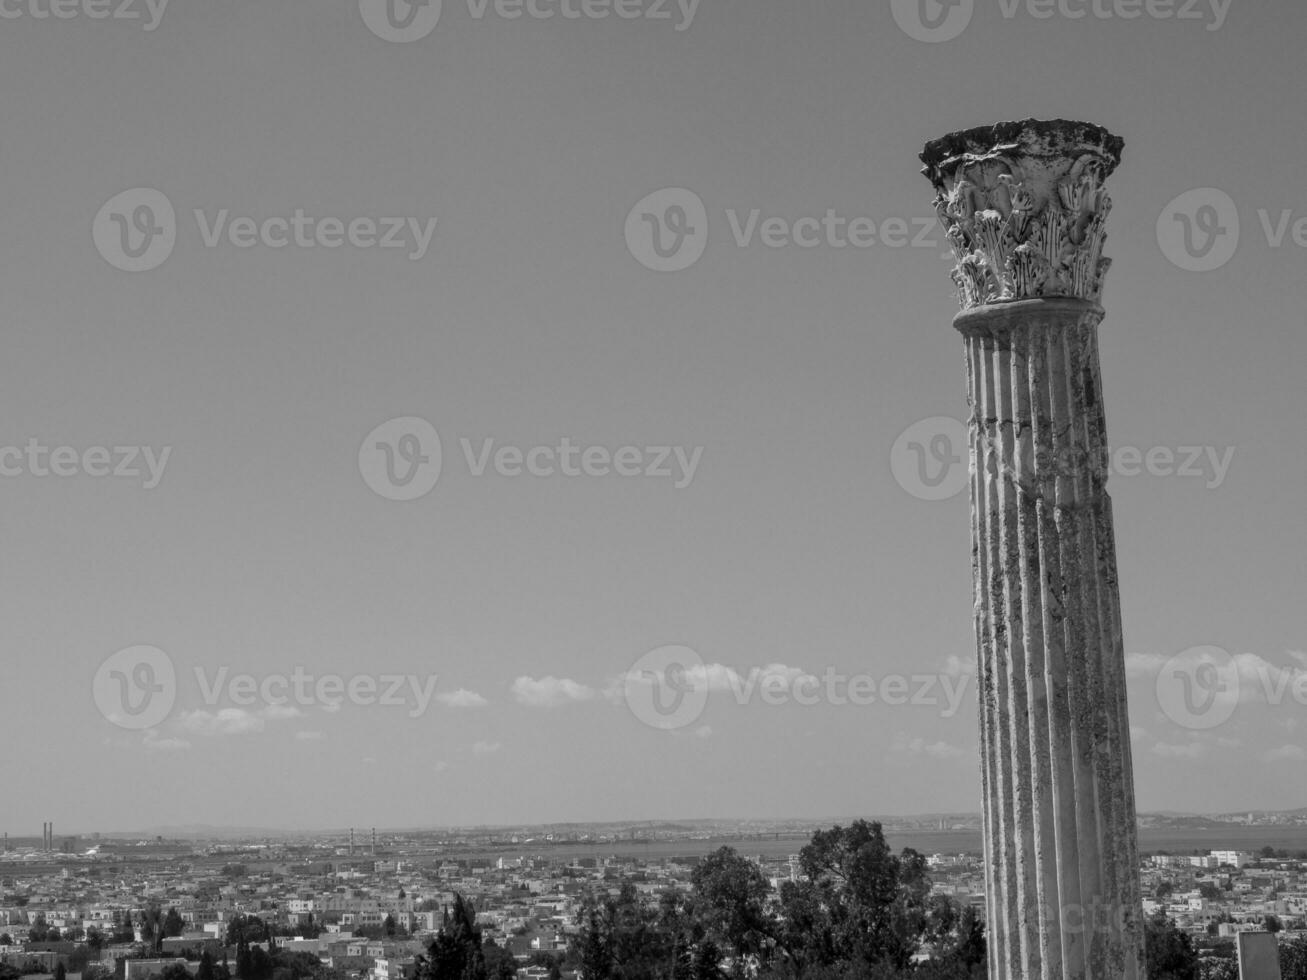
908,745
1287,753
233,721
155,743
485,748
462,698
1185,750
714,678
226,721
550,692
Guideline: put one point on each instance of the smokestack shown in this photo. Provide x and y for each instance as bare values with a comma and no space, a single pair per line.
374,841
351,841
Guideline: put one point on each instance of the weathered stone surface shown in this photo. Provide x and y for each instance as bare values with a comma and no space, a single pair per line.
1062,880
1023,207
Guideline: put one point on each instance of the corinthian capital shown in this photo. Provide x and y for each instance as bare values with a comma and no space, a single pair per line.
1023,206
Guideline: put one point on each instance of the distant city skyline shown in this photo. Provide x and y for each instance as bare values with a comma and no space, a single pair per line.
363,833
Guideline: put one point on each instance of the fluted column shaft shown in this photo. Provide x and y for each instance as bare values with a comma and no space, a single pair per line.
1024,208
1063,888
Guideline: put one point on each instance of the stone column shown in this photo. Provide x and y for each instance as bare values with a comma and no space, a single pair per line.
1023,206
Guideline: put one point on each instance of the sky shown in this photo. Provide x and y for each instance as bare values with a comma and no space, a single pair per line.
258,259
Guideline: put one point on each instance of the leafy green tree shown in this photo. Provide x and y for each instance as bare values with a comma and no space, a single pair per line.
1168,952
957,936
595,942
261,965
1217,968
1272,924
639,941
730,900
60,972
707,963
456,952
149,926
858,904
173,924
500,962
1293,959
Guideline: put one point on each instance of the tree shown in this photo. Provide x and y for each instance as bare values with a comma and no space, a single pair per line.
60,972
595,943
731,901
261,965
707,962
500,963
149,925
124,932
389,926
173,924
1168,952
1293,959
858,904
958,940
456,952
1217,968
1164,889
